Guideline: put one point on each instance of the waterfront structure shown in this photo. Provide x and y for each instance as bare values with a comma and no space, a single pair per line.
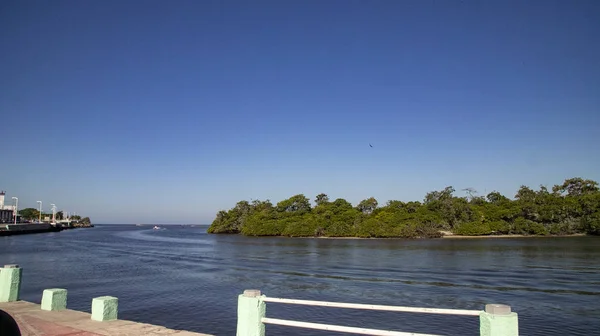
13,225
3,205
53,213
53,318
40,212
16,209
6,216
495,320
7,211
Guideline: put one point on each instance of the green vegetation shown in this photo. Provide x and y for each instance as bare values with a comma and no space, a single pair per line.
29,214
32,214
572,207
81,222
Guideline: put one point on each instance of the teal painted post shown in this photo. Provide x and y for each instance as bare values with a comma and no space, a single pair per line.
251,310
498,320
54,299
10,283
105,308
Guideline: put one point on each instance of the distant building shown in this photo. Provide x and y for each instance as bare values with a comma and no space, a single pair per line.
6,216
6,211
4,206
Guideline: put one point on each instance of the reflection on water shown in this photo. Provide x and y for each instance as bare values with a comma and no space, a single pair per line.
158,236
182,278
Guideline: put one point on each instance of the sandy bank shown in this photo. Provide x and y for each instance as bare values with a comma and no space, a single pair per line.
510,236
448,235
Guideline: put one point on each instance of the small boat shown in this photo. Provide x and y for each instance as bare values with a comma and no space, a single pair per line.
156,227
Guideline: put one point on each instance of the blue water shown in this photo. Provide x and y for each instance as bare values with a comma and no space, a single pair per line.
183,278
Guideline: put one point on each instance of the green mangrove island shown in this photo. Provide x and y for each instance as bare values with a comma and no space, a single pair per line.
572,207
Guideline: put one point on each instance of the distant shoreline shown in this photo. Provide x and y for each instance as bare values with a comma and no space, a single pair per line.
451,236
513,236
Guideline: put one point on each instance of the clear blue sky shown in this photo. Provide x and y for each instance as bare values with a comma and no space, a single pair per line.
168,111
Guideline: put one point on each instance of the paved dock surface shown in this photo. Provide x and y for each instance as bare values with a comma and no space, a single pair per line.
33,321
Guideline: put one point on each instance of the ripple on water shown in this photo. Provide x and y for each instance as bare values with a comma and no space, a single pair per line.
185,279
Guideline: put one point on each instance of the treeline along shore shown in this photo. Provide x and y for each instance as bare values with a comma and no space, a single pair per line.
572,207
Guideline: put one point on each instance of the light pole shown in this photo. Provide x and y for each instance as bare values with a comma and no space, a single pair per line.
16,208
53,213
40,219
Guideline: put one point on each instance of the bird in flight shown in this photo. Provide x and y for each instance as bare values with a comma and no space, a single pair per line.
370,145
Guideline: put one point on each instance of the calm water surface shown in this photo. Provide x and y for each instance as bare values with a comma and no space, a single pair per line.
183,278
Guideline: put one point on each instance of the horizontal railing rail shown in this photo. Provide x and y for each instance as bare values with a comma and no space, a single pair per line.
375,307
495,320
330,327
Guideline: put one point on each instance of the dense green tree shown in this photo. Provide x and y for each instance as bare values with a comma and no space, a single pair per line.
525,194
576,187
439,196
321,199
29,214
342,204
295,204
367,206
571,207
496,198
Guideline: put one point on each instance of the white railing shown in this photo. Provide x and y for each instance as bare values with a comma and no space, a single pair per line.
495,320
376,307
330,327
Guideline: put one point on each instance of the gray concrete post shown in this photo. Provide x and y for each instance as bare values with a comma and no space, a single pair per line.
10,283
498,320
251,310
